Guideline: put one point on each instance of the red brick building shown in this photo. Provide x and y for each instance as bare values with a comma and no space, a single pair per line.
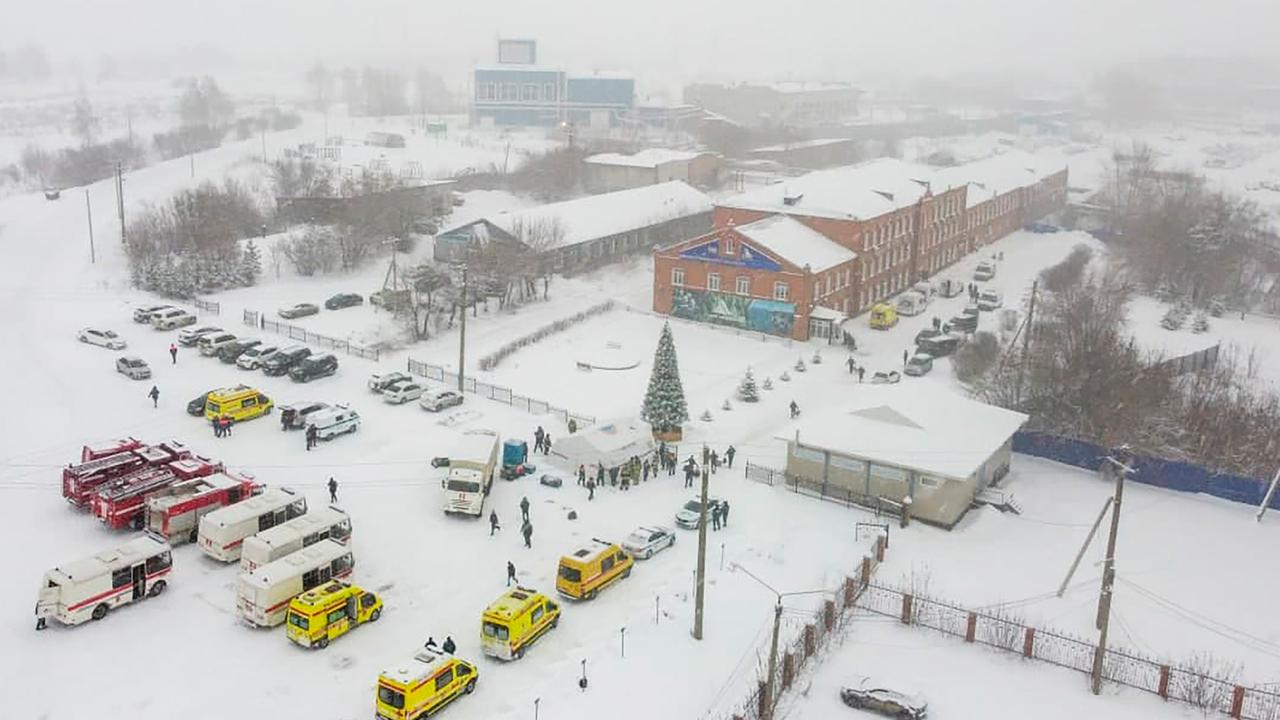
901,223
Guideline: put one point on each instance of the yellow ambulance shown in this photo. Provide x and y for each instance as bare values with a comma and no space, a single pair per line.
514,621
240,403
883,316
590,569
328,612
423,684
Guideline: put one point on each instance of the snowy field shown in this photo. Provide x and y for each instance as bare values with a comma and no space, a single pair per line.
437,573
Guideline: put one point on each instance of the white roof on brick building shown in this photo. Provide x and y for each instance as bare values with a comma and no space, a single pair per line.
995,175
855,192
650,158
935,433
797,243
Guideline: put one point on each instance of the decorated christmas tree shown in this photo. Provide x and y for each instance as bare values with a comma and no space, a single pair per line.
747,390
664,404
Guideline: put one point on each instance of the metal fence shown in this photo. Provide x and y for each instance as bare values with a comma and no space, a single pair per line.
1192,362
498,392
823,490
1005,631
293,332
207,306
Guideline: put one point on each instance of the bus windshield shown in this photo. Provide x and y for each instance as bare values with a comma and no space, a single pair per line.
299,621
390,696
494,630
465,486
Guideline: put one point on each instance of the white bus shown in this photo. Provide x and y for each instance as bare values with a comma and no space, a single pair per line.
222,532
472,463
270,545
262,596
86,589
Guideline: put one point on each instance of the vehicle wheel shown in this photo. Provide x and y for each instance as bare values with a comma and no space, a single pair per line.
518,654
137,523
626,573
352,429
322,643
589,595
83,339
156,589
373,617
555,622
99,612
648,554
471,687
193,536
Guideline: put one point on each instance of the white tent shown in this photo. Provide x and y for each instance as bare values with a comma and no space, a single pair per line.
611,442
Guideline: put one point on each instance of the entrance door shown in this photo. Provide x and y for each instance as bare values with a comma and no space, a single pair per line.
139,581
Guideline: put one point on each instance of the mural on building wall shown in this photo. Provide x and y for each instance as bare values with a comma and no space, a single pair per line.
747,256
766,316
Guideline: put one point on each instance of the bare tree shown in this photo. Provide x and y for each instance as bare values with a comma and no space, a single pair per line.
84,123
425,283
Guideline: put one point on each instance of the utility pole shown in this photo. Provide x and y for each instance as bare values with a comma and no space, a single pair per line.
264,143
193,165
462,334
700,592
1026,338
773,663
1108,574
120,199
1087,541
1266,499
93,258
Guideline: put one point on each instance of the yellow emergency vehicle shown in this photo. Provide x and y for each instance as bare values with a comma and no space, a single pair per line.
516,619
589,570
328,612
883,316
240,403
423,684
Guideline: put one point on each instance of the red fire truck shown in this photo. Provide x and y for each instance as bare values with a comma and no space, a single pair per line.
112,447
175,511
121,503
79,482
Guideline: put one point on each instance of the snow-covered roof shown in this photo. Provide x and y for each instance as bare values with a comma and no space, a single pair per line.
825,313
600,216
317,555
649,158
804,86
855,192
800,144
797,243
995,175
908,427
107,560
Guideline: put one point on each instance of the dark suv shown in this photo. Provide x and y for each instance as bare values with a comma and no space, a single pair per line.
282,361
231,351
314,367
343,300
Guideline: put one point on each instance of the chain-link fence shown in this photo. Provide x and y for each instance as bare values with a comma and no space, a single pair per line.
502,394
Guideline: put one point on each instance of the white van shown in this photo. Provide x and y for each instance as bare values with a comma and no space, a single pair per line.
222,532
270,545
87,589
172,318
986,270
990,300
912,303
263,596
335,421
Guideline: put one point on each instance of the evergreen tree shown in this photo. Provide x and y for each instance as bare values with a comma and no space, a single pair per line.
747,390
664,404
250,264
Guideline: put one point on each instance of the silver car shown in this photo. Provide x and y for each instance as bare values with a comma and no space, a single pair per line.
103,338
132,367
864,694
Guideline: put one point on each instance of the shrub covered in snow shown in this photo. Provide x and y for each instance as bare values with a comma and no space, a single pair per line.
490,361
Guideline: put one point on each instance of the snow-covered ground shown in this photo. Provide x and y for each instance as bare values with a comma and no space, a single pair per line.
437,573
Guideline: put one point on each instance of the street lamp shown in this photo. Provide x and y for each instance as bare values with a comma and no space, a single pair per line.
767,713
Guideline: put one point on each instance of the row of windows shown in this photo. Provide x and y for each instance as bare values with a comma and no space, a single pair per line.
516,92
781,290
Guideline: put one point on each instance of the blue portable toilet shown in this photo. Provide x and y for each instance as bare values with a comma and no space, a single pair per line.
514,452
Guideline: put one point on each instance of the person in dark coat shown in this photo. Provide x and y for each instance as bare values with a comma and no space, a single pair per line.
715,462
724,514
937,323
527,531
312,436
537,438
861,370
591,489
852,365
155,396
546,443
715,517
706,455
333,490
449,645
431,643
600,474
226,425
217,427
511,573
905,354
582,474
493,522
795,409
728,456
286,418
613,476
524,508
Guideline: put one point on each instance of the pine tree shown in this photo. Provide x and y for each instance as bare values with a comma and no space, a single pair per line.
664,404
747,390
250,264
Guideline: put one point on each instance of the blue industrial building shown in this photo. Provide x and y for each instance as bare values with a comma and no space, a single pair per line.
518,92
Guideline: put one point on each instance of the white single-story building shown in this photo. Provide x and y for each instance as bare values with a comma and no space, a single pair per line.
900,441
607,172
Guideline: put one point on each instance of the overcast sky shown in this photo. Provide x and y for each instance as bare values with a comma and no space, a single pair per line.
664,42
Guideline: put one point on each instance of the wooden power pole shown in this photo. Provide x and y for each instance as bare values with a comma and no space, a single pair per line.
700,592
462,332
1026,338
770,688
1108,574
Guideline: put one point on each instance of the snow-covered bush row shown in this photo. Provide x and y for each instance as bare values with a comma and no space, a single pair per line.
491,361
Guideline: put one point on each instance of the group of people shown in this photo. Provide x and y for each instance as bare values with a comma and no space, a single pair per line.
526,529
449,645
711,461
221,425
855,368
312,435
541,441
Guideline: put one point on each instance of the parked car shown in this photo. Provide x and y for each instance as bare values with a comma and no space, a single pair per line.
295,416
343,300
864,694
990,300
645,541
964,322
196,406
132,367
232,352
939,346
297,311
252,358
403,392
380,382
985,270
438,400
192,335
927,333
1042,228
389,299
688,516
103,338
314,366
172,318
146,312
337,420
881,378
282,361
949,287
912,302
211,343
919,364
